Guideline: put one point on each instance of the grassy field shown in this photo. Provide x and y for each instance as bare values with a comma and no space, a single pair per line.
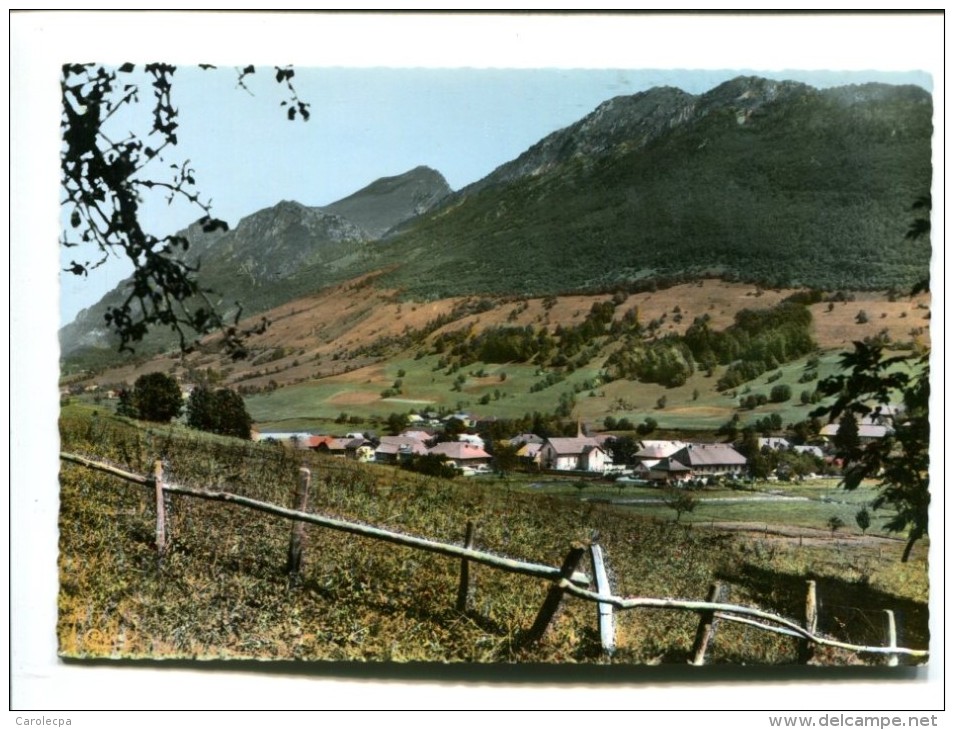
222,590
507,392
423,386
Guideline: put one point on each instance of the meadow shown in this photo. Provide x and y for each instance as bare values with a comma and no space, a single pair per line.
222,590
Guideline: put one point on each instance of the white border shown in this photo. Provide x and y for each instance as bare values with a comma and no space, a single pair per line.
40,42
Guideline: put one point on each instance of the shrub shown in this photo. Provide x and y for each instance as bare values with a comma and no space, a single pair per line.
780,393
154,397
835,523
221,411
679,500
648,425
863,518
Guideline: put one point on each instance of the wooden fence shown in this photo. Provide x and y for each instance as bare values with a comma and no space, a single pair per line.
566,580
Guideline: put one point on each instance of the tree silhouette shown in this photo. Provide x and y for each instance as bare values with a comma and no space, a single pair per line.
679,500
847,439
154,397
895,390
863,519
835,523
219,411
106,171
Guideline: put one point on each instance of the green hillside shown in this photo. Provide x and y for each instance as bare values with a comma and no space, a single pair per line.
776,184
812,192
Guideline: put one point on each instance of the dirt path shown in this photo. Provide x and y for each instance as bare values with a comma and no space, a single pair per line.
799,535
721,500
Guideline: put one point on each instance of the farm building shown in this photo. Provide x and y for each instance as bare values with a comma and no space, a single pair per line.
462,454
394,449
529,454
867,432
654,449
695,461
669,470
811,450
359,449
874,426
578,453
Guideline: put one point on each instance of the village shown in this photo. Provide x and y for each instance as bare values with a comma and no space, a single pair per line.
456,442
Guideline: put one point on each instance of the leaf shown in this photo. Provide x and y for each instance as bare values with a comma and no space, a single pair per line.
127,67
213,224
248,70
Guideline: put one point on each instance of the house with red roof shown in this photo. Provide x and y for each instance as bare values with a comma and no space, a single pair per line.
462,454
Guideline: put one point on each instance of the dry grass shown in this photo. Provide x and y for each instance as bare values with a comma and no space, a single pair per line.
328,333
222,590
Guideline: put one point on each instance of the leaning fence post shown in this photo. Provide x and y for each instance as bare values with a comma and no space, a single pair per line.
295,543
892,630
160,509
806,647
554,597
465,588
604,611
707,625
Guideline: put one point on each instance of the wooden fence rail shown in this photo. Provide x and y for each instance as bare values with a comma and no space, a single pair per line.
567,579
534,570
733,612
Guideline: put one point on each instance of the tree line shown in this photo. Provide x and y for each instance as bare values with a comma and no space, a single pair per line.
757,341
157,397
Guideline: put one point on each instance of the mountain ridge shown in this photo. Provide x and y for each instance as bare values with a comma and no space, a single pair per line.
284,241
759,179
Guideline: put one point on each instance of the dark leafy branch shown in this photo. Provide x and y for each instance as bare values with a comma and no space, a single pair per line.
895,392
104,179
294,104
892,391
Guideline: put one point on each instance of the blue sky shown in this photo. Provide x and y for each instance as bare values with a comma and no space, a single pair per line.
372,123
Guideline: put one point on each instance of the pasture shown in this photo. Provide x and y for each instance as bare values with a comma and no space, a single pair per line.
222,590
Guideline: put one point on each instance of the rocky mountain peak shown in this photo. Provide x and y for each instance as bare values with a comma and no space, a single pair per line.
625,123
389,201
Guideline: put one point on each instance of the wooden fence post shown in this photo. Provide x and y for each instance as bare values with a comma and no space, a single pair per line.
296,542
604,611
892,629
465,592
707,625
160,509
554,597
806,648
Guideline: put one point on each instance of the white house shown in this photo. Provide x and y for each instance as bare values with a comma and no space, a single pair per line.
578,453
812,450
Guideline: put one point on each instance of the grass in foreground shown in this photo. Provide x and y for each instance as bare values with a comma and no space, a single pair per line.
222,591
